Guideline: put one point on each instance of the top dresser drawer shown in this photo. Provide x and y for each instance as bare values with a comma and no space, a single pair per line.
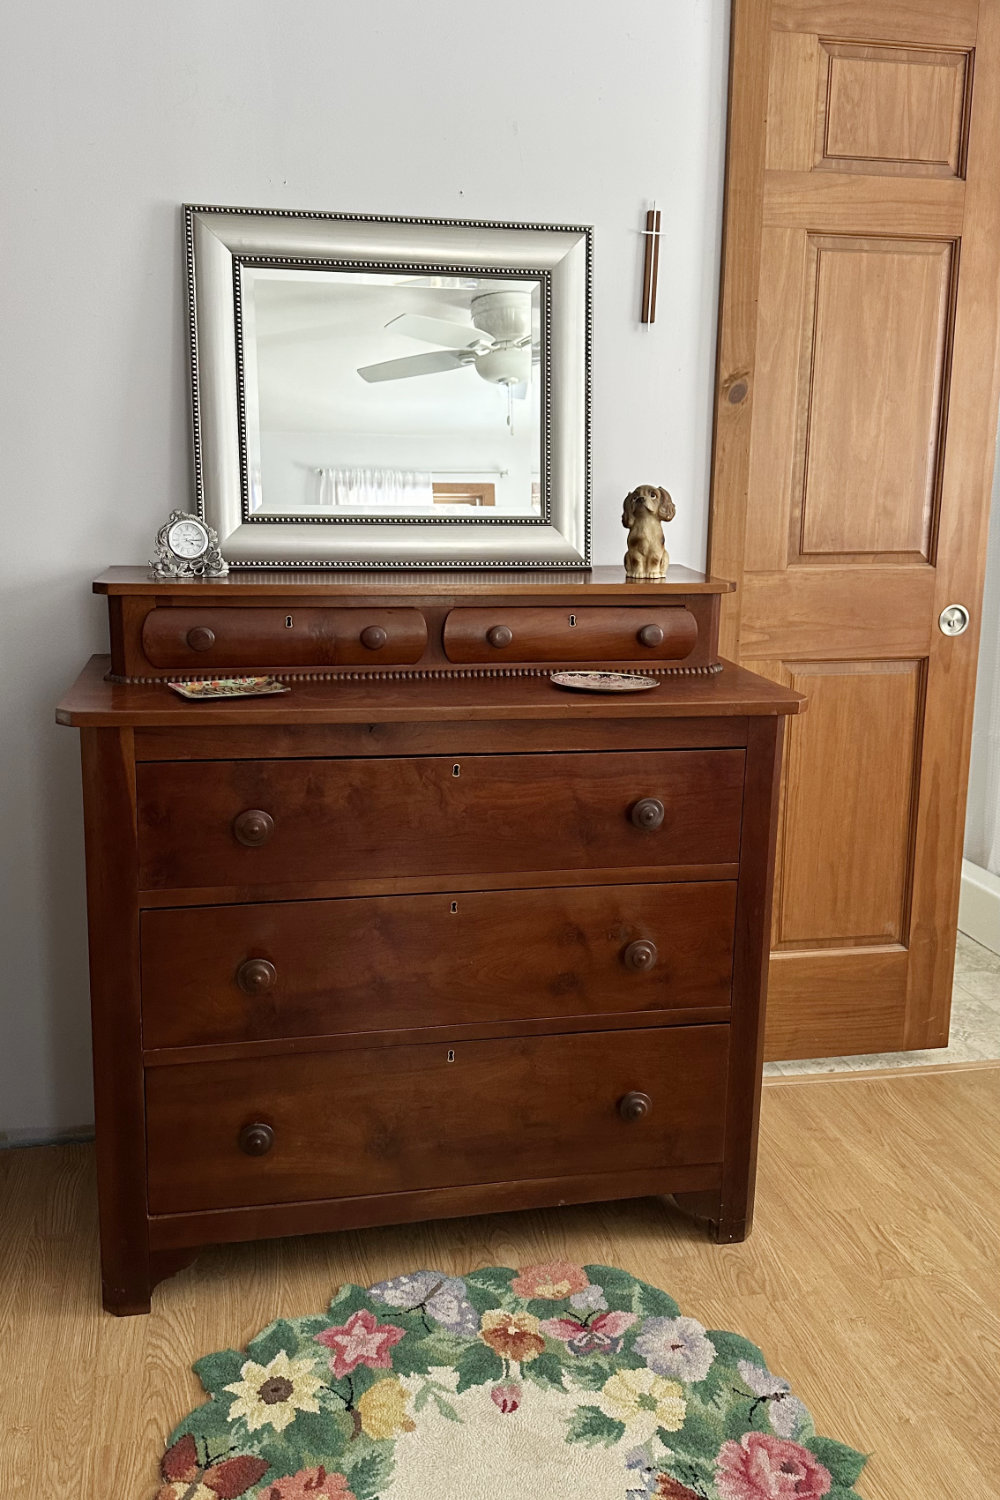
245,823
203,640
633,633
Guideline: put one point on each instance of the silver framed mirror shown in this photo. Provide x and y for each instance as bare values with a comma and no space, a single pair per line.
390,392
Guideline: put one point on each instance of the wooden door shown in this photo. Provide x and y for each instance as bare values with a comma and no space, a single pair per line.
854,444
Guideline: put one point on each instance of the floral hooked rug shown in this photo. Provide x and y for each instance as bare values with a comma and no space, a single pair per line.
556,1382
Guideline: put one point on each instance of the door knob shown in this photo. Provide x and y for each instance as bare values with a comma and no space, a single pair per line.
201,638
953,619
500,636
651,635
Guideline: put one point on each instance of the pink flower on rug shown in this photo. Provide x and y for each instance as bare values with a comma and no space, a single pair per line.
507,1397
362,1340
761,1467
603,1335
554,1280
309,1484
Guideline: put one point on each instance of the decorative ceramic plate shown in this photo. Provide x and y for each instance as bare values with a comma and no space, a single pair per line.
604,682
230,687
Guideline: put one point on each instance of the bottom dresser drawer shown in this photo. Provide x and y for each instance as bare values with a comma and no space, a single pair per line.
390,1119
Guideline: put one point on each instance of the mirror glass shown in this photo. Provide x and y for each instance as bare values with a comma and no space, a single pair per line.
378,394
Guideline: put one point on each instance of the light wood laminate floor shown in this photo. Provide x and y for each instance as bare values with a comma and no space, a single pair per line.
870,1282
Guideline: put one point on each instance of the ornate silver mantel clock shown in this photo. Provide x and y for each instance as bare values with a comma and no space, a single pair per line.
187,548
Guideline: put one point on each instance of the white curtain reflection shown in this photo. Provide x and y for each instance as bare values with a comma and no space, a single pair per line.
372,489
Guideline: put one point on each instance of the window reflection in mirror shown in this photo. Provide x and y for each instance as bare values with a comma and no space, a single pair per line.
381,394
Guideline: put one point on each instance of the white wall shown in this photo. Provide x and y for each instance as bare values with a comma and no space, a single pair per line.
115,112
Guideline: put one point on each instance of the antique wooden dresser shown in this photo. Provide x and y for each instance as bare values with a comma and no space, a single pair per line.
427,935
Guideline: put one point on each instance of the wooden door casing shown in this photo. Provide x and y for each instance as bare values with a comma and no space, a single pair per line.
854,445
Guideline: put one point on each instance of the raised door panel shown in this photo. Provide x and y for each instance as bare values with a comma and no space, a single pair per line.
846,838
871,392
893,109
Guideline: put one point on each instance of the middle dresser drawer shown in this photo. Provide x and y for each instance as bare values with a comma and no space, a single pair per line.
244,823
310,968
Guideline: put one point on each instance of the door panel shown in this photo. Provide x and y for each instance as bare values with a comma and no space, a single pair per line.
855,433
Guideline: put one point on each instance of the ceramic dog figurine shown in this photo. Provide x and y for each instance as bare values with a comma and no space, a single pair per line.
645,509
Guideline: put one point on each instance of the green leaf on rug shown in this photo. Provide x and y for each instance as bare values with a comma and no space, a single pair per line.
477,1365
702,1432
417,1356
545,1370
589,1425
845,1464
371,1475
495,1279
620,1289
215,1371
731,1348
591,1372
349,1300
277,1337
656,1304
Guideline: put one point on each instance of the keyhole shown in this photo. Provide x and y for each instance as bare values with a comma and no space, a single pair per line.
456,770
572,619
451,1055
288,622
454,907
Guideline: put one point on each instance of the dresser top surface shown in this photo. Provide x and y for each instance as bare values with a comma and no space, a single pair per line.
93,702
309,583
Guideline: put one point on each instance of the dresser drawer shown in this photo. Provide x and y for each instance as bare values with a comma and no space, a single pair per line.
627,633
207,639
310,968
394,1119
226,823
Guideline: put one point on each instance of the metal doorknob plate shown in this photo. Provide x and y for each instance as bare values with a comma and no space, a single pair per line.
953,619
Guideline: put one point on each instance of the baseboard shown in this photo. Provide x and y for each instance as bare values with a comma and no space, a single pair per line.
979,905
71,1136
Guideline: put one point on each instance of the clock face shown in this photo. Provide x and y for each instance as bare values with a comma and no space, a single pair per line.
187,539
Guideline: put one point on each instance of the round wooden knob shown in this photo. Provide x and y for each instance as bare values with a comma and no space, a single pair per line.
651,635
256,975
640,955
647,813
633,1106
500,635
200,638
257,1139
374,637
253,827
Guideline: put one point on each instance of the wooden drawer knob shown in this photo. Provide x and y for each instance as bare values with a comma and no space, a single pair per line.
257,1139
651,635
634,1106
647,813
253,827
640,955
499,636
374,637
200,638
256,975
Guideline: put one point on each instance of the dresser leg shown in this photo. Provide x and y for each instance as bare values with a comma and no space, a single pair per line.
707,1207
125,1291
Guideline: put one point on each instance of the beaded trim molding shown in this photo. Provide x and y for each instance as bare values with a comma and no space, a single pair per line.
420,674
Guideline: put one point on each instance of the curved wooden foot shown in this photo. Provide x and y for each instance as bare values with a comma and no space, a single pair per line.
128,1296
